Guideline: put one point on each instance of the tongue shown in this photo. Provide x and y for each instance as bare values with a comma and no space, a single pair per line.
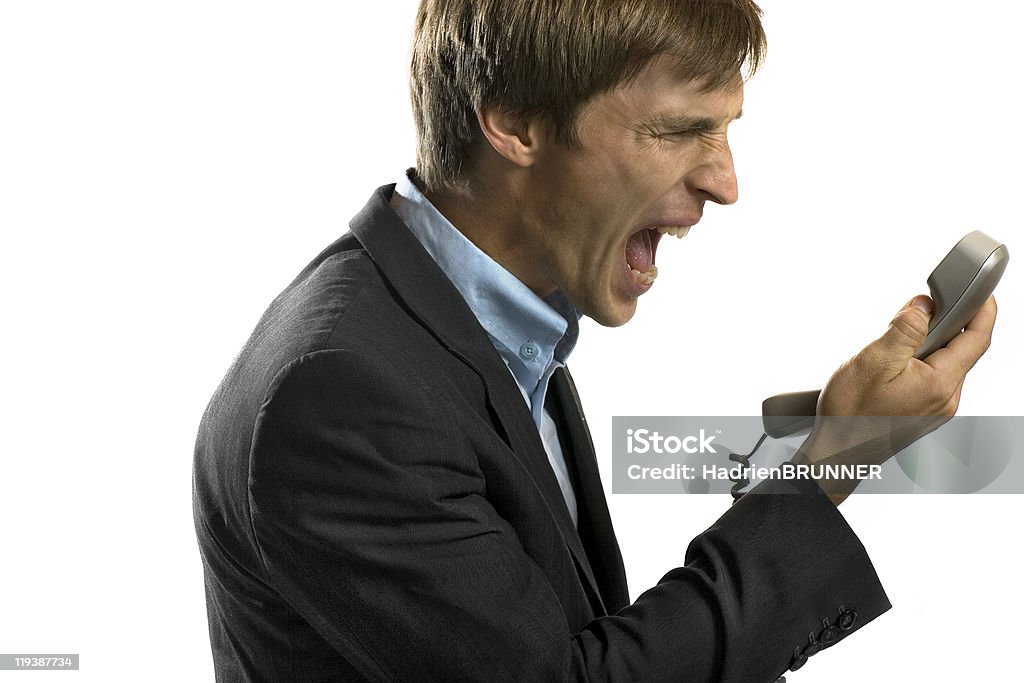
639,253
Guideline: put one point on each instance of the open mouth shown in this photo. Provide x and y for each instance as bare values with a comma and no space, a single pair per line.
641,248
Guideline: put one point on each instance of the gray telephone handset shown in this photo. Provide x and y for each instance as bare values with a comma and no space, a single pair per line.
959,285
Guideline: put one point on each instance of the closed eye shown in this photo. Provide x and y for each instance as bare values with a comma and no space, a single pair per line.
659,133
685,132
683,127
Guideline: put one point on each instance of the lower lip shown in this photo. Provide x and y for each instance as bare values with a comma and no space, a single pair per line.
634,286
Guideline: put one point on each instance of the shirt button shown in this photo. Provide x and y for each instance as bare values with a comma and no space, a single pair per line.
529,350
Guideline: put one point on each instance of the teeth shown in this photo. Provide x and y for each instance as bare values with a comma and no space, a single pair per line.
679,231
648,277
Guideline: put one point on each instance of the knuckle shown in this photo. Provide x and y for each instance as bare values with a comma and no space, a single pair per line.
946,396
932,395
949,409
910,325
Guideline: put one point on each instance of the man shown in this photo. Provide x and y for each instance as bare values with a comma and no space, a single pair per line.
395,481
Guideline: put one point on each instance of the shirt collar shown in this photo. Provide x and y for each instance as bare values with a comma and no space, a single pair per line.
530,333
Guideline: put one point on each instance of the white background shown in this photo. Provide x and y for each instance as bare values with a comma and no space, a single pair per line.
167,167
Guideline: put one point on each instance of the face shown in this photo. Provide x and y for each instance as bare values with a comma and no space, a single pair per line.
652,153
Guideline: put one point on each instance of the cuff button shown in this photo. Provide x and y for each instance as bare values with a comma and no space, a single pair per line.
846,619
813,647
798,660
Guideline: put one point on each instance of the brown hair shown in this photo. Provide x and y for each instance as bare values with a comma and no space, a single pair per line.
548,57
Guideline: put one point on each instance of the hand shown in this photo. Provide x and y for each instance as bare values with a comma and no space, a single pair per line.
883,399
886,379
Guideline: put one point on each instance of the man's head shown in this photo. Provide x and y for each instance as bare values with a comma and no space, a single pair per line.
597,121
549,57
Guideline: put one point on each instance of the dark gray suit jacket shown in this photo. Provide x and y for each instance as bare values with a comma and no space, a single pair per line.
373,501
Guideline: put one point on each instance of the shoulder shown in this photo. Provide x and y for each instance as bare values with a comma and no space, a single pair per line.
341,300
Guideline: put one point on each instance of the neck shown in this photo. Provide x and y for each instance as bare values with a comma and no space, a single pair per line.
493,221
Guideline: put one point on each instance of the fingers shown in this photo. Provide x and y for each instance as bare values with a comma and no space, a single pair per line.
922,303
905,335
965,349
985,318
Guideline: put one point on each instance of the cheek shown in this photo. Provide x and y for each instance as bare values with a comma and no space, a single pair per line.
593,202
645,178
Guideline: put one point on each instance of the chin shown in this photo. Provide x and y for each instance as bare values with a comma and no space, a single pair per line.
613,314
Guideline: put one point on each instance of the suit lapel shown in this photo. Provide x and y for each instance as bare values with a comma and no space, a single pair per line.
434,301
595,525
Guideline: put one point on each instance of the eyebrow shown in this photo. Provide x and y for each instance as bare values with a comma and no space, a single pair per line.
684,122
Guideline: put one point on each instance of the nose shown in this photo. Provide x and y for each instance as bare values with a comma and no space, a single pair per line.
715,178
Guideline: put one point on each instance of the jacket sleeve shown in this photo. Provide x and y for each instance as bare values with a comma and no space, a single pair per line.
373,522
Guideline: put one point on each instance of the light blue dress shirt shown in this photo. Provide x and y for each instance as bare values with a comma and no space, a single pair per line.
534,336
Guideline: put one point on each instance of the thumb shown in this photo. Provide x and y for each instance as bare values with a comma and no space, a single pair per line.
906,332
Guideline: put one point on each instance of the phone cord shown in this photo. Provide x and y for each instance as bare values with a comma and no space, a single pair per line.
742,482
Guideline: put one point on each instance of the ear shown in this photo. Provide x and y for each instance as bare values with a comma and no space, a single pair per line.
515,137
